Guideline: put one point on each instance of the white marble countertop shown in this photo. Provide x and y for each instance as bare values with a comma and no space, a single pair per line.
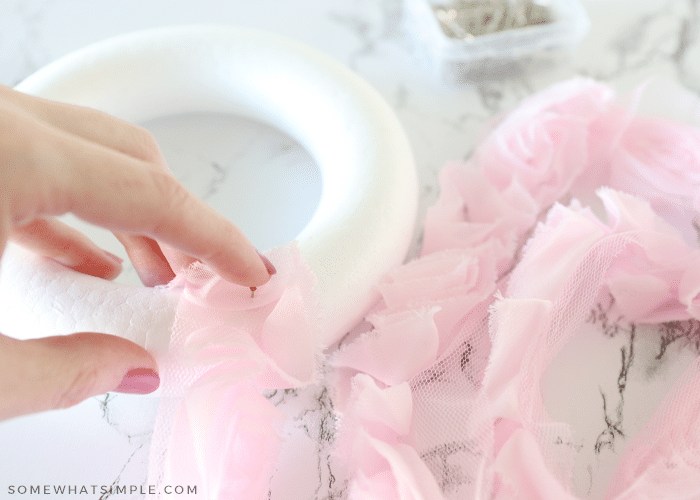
105,440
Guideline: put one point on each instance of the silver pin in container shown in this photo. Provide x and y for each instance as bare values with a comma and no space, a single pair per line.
466,19
464,41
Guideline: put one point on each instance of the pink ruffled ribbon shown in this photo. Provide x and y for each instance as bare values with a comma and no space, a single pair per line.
227,347
440,398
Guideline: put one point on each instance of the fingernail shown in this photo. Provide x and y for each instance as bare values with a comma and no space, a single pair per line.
139,381
113,257
268,265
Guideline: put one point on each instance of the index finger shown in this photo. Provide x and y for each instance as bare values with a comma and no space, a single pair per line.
122,193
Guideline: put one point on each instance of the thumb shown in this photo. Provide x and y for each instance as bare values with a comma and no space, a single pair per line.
59,372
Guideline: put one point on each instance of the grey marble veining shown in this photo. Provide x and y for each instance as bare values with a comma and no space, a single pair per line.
607,381
248,171
660,39
308,450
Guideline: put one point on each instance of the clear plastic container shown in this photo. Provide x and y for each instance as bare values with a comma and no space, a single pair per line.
492,56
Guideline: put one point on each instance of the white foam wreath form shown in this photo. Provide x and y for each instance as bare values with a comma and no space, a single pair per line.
365,219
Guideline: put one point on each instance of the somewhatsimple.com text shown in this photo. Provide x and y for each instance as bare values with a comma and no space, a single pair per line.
94,489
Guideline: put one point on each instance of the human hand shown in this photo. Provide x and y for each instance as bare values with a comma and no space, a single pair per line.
57,158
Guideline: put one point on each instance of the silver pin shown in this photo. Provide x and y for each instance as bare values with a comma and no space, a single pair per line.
466,19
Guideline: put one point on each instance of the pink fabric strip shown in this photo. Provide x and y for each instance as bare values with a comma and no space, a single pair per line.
222,435
441,398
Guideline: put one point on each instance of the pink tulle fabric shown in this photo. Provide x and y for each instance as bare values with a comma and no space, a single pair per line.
227,346
439,396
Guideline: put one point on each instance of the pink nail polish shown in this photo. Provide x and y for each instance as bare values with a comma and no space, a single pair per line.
268,265
139,381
